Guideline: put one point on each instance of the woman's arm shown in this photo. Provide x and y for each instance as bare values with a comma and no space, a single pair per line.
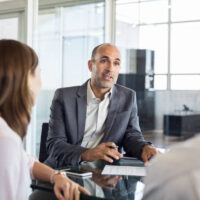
64,188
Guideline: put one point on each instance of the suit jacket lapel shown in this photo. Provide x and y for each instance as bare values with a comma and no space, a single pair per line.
81,110
112,112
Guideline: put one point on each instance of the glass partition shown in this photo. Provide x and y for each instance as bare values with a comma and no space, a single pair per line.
65,38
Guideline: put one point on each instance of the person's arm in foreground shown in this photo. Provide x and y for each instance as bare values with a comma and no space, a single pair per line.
64,188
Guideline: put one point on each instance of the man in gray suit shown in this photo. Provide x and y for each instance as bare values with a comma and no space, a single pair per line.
95,120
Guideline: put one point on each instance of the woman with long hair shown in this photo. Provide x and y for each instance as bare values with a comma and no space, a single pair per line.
19,86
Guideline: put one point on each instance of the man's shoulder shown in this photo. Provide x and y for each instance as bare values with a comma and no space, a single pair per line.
124,90
66,93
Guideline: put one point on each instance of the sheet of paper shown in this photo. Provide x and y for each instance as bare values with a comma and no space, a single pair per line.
163,150
124,170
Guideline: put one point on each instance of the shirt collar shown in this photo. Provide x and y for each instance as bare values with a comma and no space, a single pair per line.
91,96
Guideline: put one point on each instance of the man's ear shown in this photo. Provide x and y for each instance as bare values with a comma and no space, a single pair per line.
90,65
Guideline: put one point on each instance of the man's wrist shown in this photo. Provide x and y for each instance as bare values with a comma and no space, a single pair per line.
84,155
149,143
145,143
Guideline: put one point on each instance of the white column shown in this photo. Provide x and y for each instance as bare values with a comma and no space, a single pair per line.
31,15
110,10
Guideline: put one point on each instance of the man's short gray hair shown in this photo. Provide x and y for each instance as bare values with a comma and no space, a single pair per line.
94,51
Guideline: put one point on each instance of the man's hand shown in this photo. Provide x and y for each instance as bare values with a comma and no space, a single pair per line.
102,152
147,152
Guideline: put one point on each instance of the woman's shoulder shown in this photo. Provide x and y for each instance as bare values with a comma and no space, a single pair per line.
10,143
7,134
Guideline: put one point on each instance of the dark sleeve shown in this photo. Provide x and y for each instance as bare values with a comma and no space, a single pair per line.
133,141
59,148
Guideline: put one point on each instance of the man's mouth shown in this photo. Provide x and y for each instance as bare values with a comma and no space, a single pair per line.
107,77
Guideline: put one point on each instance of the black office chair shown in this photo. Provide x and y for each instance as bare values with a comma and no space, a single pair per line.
43,152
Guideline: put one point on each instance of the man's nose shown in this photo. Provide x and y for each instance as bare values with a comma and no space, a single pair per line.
110,65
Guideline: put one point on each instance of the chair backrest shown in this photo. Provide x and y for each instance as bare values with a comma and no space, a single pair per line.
43,152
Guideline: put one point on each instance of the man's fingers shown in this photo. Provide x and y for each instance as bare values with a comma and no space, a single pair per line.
110,144
118,154
106,153
148,152
114,154
102,151
106,158
145,158
156,151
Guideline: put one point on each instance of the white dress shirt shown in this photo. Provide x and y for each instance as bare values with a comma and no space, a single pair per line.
15,165
96,115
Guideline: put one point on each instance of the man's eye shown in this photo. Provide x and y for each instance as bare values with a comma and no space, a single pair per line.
103,61
117,63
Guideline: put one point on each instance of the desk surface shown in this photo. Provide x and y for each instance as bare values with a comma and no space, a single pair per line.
110,187
99,186
160,140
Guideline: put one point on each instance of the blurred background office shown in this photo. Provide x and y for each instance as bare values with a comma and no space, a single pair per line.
159,42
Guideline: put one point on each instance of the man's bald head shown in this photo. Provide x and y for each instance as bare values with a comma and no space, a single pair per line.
94,51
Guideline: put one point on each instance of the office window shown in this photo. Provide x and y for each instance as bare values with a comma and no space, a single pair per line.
171,29
183,10
142,25
9,28
160,82
185,43
153,11
154,37
185,82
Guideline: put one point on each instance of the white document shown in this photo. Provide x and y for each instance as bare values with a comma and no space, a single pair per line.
124,170
163,150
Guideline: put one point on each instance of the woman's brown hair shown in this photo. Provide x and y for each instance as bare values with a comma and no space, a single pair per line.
17,60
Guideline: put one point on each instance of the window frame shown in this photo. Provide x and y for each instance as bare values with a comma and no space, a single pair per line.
169,23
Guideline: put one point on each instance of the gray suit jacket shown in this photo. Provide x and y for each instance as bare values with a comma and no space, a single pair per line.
67,124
